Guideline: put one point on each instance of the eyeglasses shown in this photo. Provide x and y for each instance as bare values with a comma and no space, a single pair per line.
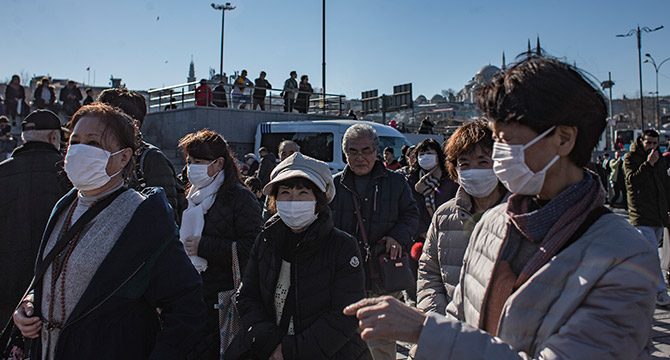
355,152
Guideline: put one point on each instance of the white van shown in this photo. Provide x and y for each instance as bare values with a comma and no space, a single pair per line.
322,139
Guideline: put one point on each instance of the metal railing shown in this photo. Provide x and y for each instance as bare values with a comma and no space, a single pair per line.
184,96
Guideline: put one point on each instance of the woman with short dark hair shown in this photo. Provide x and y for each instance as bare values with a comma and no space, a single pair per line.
221,213
301,273
100,275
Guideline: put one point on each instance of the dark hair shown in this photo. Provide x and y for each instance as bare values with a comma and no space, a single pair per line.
118,125
130,102
430,144
541,92
650,133
88,89
298,182
253,183
263,73
403,149
293,72
303,77
464,140
210,145
389,149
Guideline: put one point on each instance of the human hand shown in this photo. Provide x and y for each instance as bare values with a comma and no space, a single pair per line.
29,325
387,318
652,158
393,248
191,245
277,354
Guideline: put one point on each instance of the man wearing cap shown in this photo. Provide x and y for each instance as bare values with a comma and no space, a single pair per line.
388,211
32,180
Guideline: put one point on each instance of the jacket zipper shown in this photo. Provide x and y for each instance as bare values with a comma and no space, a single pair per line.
374,201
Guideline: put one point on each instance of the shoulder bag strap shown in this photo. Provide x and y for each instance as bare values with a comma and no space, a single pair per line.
237,276
361,228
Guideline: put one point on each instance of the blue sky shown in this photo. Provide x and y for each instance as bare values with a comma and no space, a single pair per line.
371,44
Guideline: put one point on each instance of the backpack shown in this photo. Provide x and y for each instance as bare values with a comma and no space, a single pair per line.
182,204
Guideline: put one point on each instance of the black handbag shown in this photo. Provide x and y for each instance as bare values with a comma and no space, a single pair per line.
395,275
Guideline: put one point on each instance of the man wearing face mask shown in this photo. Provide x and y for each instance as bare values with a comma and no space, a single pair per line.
550,273
648,190
32,180
388,214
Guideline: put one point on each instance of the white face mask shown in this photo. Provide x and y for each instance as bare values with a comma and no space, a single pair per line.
510,166
297,214
197,175
86,166
478,182
427,161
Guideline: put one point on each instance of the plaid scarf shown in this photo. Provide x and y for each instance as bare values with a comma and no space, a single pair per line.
428,184
553,224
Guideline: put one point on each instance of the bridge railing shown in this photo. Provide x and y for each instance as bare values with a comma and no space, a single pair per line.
182,96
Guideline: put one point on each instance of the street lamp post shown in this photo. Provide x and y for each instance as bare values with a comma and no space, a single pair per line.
651,60
323,53
638,31
610,121
223,9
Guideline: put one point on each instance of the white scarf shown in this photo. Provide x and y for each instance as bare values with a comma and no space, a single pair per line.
193,218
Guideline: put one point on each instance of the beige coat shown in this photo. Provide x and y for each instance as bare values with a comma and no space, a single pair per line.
594,300
442,257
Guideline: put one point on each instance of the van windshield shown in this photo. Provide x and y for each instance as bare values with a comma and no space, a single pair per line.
316,145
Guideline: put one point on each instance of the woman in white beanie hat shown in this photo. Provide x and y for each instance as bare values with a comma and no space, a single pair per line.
301,273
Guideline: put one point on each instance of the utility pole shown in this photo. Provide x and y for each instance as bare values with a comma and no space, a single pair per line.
323,54
638,32
223,9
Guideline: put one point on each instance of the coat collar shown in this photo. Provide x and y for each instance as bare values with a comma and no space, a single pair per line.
347,180
34,146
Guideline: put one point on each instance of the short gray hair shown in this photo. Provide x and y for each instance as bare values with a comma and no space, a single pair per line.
358,131
284,143
38,135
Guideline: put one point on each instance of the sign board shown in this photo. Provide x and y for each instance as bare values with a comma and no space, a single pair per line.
370,101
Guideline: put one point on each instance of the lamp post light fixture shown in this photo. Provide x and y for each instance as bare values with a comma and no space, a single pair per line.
223,9
657,68
638,31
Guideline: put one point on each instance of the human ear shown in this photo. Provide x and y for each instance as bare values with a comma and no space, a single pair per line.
567,137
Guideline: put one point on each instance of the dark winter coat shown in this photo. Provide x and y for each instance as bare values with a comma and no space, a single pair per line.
268,163
302,101
37,97
326,274
261,86
12,98
71,99
444,193
154,169
388,208
32,180
234,216
647,188
116,317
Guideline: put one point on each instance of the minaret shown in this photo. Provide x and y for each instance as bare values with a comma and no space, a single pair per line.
529,53
504,66
538,49
191,71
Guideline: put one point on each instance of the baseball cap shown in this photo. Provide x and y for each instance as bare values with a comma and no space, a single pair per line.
299,165
41,120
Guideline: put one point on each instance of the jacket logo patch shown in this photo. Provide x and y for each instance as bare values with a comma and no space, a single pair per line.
354,262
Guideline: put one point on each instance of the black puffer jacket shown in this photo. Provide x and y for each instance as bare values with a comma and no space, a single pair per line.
234,216
327,275
388,208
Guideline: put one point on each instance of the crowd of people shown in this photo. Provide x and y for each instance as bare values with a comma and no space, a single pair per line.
245,93
495,244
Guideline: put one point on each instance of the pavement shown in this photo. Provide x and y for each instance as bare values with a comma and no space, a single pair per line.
659,344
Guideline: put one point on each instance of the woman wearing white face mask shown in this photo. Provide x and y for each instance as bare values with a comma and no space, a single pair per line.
301,274
221,211
468,154
100,275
